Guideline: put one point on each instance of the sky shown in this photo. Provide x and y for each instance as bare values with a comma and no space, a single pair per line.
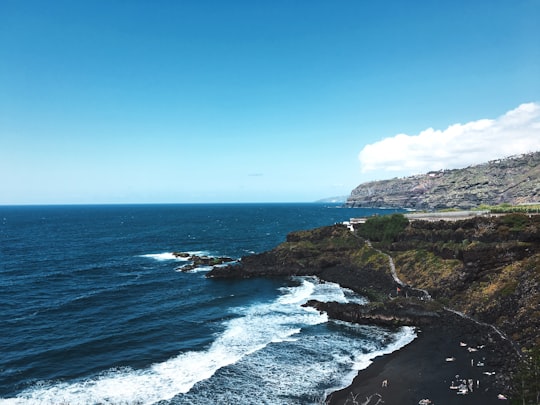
117,101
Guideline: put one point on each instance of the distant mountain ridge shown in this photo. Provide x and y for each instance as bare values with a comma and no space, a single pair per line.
338,199
514,180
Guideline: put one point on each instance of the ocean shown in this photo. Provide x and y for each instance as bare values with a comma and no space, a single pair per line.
96,310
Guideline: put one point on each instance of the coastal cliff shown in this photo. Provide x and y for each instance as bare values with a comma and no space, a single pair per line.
485,267
488,268
331,253
484,270
514,180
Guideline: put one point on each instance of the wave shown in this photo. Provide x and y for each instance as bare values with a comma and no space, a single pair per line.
187,260
277,326
257,326
328,291
166,256
362,361
302,369
200,269
405,336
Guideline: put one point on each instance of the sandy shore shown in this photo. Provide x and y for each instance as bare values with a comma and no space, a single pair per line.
442,356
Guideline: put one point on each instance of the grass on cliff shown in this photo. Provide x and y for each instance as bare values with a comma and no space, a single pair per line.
326,239
320,247
487,292
424,269
370,257
509,208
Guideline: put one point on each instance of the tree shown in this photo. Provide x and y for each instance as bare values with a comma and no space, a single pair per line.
527,379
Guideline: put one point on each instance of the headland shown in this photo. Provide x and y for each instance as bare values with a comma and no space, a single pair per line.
469,286
513,180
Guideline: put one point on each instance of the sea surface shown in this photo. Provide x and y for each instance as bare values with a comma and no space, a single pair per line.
94,309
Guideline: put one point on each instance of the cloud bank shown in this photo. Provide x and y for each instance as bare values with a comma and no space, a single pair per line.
459,145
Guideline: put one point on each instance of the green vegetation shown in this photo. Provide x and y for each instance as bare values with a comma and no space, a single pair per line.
515,222
334,238
369,256
486,266
383,228
509,208
527,379
425,269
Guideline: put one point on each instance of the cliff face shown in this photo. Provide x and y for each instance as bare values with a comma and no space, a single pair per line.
513,180
488,268
332,253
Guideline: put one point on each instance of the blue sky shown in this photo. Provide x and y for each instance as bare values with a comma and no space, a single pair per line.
255,101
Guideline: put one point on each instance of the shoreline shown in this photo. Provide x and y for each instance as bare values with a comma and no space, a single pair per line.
422,370
451,346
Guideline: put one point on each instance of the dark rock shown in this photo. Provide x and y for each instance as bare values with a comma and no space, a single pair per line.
331,253
200,261
390,313
181,254
487,268
513,180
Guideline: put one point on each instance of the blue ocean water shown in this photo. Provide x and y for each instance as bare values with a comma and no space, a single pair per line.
94,309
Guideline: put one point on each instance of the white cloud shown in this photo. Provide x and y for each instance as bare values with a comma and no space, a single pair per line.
459,145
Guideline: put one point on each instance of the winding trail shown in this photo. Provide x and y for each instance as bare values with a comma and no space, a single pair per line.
427,296
495,329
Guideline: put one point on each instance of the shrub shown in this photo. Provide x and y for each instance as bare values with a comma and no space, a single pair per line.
527,379
383,228
516,222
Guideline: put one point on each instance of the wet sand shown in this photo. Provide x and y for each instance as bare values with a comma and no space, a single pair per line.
420,370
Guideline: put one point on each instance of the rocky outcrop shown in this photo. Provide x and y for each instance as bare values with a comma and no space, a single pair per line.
196,261
332,253
483,274
488,268
485,267
514,180
391,313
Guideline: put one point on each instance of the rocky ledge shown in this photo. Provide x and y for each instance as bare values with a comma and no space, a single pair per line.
196,261
331,253
483,270
393,313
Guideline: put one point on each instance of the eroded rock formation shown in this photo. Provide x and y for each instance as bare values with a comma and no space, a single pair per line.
514,180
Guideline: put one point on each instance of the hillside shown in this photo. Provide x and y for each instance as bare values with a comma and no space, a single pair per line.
484,268
487,268
514,180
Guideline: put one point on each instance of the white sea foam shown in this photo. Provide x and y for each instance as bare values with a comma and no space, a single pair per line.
258,326
195,270
362,360
299,370
298,294
405,336
328,291
200,269
171,256
265,347
161,257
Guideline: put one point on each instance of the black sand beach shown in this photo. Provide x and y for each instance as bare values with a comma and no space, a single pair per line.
440,357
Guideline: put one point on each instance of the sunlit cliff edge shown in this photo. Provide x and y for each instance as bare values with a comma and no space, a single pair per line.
513,180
